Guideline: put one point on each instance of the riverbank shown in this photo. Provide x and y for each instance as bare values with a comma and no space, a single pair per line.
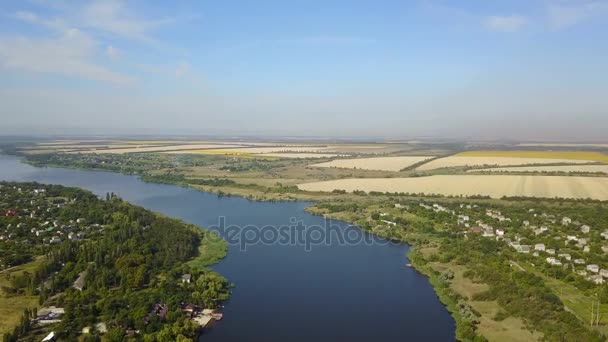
265,194
417,262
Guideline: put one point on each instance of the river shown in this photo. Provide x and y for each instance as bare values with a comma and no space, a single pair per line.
285,292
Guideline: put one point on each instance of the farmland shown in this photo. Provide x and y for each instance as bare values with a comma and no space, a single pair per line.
495,186
154,148
377,163
565,155
254,150
550,169
302,155
514,158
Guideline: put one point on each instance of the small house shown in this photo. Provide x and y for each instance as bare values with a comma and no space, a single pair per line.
593,268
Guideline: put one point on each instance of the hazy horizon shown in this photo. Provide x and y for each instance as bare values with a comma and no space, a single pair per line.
516,70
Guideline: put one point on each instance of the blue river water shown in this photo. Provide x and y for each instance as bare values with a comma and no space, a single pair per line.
332,291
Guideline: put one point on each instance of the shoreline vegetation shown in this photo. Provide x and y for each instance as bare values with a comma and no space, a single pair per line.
479,314
120,269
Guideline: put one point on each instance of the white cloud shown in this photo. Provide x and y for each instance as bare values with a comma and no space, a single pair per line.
511,23
70,54
32,18
112,16
563,14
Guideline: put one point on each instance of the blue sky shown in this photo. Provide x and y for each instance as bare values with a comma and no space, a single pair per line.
533,69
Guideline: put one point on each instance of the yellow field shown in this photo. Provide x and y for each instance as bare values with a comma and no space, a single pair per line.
379,163
514,158
570,155
495,186
549,168
299,155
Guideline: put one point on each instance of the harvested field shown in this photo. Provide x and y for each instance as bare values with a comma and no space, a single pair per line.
563,145
495,186
175,148
379,163
255,150
569,155
300,155
514,158
457,161
549,168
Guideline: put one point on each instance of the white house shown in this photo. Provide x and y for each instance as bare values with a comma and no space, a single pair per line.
553,261
539,247
550,251
604,273
605,249
566,221
605,234
565,256
579,261
593,268
585,229
500,232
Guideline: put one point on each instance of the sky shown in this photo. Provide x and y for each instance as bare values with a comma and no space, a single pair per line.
501,69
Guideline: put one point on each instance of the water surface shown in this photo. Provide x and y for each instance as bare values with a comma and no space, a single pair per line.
333,292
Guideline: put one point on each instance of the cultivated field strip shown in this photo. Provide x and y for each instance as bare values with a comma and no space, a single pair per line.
458,161
377,163
549,168
495,186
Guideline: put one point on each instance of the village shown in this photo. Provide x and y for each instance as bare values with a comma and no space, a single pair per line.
544,240
33,223
30,224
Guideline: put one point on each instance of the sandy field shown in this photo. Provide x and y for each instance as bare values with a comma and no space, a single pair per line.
456,161
379,163
300,155
486,185
562,168
177,148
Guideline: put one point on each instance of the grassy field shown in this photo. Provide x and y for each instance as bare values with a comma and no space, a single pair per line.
495,186
507,330
211,250
11,307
